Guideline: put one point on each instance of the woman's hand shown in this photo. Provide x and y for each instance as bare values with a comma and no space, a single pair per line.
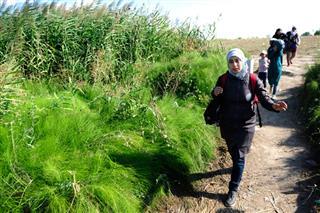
280,106
217,91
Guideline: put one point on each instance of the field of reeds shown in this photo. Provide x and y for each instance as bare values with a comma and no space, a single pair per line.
101,106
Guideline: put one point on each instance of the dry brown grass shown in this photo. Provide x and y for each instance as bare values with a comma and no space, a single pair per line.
253,46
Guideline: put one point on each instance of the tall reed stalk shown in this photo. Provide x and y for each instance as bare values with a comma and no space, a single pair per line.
50,39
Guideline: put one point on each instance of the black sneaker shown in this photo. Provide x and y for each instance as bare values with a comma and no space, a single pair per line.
231,199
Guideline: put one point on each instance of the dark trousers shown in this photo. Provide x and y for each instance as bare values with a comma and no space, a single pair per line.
238,161
275,88
263,78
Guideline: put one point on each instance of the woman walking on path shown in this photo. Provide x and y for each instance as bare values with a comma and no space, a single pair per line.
275,53
280,35
237,114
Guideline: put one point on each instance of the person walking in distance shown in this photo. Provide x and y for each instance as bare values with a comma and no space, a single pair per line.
293,41
237,114
280,35
263,67
275,52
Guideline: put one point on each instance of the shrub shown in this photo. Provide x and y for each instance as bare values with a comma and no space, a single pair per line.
306,34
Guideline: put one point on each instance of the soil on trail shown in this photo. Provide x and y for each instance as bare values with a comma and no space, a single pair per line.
279,174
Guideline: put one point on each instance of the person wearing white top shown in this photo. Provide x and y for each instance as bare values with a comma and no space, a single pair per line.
263,67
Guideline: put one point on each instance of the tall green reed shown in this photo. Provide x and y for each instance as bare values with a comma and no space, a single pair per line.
51,40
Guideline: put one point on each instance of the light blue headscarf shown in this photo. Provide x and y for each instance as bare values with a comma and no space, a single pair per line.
239,54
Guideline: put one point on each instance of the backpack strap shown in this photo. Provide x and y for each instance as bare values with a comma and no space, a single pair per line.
221,82
253,83
259,115
223,79
253,80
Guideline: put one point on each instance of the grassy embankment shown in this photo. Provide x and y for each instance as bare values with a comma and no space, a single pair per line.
100,107
311,105
311,110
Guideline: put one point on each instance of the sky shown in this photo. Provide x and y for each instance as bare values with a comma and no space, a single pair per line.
237,19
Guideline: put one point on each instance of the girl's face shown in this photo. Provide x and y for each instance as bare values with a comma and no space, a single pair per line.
235,64
262,55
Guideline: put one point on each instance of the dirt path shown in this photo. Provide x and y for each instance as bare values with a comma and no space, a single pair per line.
277,172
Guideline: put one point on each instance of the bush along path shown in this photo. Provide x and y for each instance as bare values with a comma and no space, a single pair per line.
279,174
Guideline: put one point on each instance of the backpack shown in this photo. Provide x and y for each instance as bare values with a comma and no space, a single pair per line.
211,114
292,38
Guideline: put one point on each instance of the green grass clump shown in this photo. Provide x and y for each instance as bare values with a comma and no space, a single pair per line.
91,150
190,75
311,102
55,156
189,141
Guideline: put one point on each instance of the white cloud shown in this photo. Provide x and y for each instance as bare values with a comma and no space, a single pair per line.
12,2
246,18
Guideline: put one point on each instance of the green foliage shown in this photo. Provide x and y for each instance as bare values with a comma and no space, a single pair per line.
317,33
306,34
98,126
312,103
69,150
190,75
189,141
